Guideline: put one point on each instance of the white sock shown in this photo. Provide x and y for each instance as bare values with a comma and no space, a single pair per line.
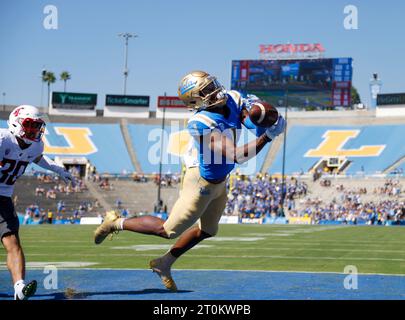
121,224
18,286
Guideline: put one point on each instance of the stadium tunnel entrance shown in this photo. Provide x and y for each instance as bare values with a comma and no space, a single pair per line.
331,165
81,164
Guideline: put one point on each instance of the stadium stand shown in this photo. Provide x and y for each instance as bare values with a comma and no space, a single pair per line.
370,149
121,148
355,201
101,144
46,193
135,197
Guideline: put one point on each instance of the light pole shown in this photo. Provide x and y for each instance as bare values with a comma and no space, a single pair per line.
4,101
375,89
283,182
159,202
43,72
126,36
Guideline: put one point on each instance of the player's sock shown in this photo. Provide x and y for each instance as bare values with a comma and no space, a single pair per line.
168,259
162,266
120,224
18,287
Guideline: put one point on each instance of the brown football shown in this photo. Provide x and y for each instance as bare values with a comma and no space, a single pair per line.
263,114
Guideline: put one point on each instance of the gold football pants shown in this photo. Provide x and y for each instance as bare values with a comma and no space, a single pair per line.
199,200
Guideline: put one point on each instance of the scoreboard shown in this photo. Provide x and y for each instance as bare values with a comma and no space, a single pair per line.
323,82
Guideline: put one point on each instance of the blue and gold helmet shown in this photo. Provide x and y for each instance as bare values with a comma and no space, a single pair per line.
199,90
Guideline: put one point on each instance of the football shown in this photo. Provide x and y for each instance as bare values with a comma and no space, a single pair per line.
263,114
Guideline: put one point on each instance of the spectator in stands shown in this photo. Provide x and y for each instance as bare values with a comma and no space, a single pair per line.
325,182
51,194
50,216
118,203
60,207
125,213
82,209
27,217
39,191
105,184
76,215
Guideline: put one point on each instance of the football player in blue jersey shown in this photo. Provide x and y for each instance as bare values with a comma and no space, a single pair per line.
215,127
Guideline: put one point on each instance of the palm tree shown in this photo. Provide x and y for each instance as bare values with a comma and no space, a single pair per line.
49,77
355,96
64,76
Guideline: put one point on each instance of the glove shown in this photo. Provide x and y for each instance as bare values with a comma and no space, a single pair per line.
276,128
66,177
250,100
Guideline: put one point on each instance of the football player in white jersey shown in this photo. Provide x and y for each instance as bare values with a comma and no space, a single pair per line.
20,145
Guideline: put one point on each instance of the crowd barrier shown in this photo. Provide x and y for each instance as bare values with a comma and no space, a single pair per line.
223,220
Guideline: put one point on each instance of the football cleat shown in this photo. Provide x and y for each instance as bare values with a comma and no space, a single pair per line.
28,291
158,266
110,224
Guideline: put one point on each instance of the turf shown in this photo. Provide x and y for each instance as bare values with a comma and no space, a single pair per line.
371,249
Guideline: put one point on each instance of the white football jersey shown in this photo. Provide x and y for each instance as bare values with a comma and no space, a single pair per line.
14,160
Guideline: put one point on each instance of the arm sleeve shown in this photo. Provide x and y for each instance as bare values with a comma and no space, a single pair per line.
49,164
250,125
1,147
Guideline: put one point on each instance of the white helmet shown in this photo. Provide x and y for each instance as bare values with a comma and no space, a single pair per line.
27,123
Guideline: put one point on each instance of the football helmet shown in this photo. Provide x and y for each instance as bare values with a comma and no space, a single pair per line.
200,90
27,123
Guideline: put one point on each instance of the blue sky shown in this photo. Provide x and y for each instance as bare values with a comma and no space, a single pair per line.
178,36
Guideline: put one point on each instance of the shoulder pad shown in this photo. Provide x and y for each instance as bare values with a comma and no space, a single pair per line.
236,96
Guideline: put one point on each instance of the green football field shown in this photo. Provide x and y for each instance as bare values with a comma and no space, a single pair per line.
371,249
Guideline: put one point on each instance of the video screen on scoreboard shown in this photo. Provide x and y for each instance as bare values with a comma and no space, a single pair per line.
318,83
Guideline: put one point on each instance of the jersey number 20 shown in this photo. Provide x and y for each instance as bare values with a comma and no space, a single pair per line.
12,170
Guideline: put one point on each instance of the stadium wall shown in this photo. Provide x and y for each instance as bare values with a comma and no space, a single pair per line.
126,112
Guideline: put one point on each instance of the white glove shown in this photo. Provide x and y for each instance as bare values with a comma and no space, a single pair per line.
276,128
66,177
250,100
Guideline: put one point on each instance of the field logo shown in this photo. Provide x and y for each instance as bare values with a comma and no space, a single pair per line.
78,140
51,280
351,280
334,142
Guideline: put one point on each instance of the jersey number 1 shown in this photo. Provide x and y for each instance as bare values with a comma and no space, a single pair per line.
13,166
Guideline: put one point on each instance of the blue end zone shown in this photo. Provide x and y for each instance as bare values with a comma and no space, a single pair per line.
97,284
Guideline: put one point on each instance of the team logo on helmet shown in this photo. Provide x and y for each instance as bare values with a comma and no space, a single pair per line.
188,85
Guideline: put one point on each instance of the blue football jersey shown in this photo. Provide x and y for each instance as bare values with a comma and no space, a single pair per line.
202,123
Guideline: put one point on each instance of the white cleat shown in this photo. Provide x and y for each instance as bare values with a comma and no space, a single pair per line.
27,292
